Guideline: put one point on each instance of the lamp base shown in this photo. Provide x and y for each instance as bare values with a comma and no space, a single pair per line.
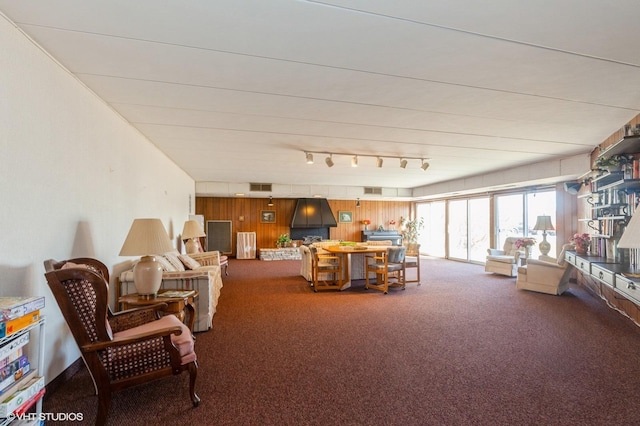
545,246
191,246
147,275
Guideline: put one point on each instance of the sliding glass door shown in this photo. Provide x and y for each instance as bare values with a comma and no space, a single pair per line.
432,236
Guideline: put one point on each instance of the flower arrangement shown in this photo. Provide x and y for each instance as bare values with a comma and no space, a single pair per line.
392,222
581,241
283,240
525,242
366,222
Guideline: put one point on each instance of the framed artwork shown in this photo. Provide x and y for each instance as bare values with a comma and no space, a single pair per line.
345,216
268,216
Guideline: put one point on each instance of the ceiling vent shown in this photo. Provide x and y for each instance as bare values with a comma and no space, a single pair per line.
372,190
260,187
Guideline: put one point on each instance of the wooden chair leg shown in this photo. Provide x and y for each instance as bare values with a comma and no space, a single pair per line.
193,373
104,402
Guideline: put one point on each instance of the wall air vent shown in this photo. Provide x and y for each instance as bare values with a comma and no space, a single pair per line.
372,190
260,187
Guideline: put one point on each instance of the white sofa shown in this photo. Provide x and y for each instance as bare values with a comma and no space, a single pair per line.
205,278
356,268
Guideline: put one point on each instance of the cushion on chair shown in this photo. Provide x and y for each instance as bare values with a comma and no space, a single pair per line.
184,341
189,262
173,258
502,259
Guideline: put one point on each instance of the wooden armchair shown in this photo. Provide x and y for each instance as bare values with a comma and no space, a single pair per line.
389,267
124,349
326,263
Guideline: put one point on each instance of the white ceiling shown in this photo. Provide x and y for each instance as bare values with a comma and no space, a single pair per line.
236,90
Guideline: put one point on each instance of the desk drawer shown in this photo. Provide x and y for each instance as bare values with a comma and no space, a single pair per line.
628,288
583,265
603,275
570,257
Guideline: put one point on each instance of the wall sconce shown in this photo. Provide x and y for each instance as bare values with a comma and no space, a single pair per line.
357,202
270,203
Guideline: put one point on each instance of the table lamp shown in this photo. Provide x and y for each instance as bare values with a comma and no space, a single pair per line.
543,223
631,236
190,232
146,238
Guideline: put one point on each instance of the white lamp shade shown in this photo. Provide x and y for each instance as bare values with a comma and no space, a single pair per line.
146,236
543,223
631,236
192,229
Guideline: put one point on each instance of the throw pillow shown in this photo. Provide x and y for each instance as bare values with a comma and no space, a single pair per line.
189,262
166,265
172,257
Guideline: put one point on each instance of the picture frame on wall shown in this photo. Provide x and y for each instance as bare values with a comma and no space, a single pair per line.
268,216
345,216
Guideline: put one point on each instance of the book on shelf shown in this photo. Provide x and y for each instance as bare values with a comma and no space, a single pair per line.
7,328
14,345
21,395
15,307
29,403
13,372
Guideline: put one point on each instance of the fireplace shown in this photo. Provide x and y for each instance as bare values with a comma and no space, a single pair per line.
311,220
309,235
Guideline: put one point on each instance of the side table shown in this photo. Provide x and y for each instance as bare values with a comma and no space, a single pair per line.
179,303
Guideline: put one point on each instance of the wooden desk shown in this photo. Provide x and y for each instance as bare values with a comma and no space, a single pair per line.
179,303
346,252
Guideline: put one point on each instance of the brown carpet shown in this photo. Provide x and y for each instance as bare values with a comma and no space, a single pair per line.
464,348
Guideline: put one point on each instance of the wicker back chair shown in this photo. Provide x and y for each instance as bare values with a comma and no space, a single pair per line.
131,347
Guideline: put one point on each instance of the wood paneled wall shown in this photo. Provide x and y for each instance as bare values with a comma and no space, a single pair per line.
245,213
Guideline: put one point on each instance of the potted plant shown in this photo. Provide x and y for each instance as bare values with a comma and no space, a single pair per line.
411,232
283,240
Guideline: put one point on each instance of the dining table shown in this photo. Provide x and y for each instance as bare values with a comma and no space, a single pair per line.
345,251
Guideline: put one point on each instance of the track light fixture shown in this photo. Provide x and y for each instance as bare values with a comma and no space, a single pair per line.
329,161
270,203
404,160
309,158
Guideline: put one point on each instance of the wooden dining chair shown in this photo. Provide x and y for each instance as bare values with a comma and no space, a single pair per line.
389,268
327,270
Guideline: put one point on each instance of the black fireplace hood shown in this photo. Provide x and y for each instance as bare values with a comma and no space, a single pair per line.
313,213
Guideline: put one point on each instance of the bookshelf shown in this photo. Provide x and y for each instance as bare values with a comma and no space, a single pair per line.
35,351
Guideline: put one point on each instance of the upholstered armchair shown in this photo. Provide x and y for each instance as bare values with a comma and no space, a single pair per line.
124,349
543,276
504,261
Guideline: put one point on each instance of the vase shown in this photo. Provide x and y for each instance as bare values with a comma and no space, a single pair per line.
527,252
581,250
